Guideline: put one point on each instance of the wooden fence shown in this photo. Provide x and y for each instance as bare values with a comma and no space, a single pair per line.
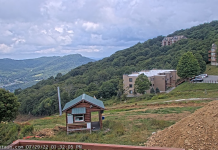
52,145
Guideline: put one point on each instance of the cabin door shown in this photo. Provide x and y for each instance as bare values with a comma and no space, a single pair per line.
69,118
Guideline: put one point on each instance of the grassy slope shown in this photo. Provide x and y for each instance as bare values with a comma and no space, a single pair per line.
122,125
127,121
211,70
195,86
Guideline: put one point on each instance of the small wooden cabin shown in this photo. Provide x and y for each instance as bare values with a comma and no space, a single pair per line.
78,113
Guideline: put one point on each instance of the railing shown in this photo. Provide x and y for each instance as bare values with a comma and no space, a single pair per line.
34,144
180,81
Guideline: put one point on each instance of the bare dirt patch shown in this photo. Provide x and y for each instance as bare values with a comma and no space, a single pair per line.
45,133
197,131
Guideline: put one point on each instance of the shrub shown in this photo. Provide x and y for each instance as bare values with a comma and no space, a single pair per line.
8,133
152,91
157,90
27,129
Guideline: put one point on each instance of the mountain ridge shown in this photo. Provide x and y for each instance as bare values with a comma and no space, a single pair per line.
33,70
103,78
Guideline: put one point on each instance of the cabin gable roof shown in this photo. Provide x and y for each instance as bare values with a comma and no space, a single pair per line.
84,97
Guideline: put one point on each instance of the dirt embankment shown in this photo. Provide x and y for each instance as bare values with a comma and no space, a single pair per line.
198,131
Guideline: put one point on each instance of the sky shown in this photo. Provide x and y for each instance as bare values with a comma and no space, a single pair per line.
92,28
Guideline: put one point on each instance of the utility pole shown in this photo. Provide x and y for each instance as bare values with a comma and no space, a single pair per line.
59,100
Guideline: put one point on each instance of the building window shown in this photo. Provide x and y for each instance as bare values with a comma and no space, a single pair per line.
130,91
130,79
153,84
168,43
164,43
130,85
79,118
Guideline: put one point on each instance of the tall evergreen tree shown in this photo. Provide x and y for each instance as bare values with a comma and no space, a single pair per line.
157,90
152,91
188,66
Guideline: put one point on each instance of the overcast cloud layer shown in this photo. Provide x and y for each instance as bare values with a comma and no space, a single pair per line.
93,28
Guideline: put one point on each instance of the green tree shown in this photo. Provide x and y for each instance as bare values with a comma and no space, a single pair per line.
107,90
8,105
120,90
17,91
157,90
141,84
78,93
58,76
92,87
216,50
201,62
188,66
152,91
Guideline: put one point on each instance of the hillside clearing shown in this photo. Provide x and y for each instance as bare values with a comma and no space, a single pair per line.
127,124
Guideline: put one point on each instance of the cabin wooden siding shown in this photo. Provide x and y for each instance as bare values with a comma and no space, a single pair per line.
87,116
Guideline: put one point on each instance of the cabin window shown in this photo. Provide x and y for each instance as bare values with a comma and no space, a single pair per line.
79,118
130,85
130,79
130,91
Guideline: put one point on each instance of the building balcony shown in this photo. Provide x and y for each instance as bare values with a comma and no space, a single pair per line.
209,55
209,59
209,51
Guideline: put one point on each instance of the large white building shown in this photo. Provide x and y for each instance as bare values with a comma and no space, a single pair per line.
158,78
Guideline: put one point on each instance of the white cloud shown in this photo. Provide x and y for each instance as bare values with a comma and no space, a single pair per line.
89,49
18,41
5,49
59,29
90,25
96,27
46,51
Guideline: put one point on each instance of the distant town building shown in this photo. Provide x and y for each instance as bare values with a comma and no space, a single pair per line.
212,55
170,40
161,79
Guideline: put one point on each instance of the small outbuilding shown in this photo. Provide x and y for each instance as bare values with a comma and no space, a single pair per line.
78,113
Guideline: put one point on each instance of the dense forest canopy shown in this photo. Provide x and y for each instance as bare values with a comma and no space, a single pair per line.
102,78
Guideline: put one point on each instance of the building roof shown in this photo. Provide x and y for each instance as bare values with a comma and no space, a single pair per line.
86,98
174,37
80,110
150,73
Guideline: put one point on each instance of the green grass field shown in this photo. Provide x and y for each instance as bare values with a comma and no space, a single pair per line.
211,70
170,110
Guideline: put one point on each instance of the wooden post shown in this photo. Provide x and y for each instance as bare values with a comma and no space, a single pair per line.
100,119
66,122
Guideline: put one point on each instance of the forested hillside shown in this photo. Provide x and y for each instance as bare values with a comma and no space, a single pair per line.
16,74
104,77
